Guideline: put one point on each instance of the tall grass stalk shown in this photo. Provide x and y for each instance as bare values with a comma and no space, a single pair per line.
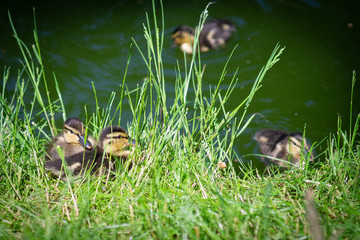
34,72
175,188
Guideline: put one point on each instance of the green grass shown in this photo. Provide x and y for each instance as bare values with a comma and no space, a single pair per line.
175,189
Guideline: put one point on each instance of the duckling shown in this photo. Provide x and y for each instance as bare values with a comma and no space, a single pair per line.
214,34
99,161
71,140
282,145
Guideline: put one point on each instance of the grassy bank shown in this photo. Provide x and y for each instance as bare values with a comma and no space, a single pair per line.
175,189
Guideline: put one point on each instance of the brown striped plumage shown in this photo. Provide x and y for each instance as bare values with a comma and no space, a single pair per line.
214,34
280,147
99,161
70,141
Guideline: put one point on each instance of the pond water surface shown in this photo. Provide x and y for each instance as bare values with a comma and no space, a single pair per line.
88,41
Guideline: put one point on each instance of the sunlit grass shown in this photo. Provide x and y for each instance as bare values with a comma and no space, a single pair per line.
175,189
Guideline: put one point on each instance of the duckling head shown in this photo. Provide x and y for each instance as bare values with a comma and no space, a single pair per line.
297,145
281,145
114,141
74,133
183,36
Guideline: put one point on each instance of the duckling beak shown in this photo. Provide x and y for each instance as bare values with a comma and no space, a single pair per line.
85,143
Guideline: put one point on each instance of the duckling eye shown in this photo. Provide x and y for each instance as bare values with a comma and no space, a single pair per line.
119,137
294,143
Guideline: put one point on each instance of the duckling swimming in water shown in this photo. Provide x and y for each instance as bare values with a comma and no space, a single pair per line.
71,140
283,146
99,161
213,35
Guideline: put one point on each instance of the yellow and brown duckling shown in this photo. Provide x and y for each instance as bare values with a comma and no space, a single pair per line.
280,147
113,142
71,140
213,35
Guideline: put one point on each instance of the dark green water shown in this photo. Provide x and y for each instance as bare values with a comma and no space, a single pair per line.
85,41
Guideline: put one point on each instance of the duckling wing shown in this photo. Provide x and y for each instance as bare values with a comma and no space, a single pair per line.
94,162
268,139
54,167
76,164
216,33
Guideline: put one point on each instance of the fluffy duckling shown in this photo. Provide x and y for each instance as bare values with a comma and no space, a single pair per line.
71,140
113,141
282,145
213,35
